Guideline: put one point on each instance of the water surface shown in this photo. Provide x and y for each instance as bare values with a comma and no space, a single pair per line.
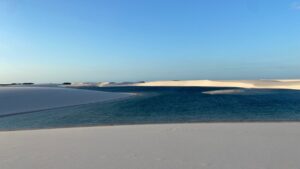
168,105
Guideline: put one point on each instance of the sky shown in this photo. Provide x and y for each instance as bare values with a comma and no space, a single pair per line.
45,41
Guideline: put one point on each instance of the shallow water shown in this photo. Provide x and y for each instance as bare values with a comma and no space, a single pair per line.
168,105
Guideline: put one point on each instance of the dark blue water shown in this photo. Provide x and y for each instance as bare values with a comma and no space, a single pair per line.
167,105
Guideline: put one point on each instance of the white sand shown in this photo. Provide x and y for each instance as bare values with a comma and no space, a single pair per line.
265,84
174,146
228,91
258,84
24,99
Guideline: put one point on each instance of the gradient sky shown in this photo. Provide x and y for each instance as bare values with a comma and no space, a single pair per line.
129,40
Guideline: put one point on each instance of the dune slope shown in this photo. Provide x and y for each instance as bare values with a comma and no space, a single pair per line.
23,99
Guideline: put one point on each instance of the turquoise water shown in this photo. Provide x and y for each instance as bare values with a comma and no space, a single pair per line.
167,105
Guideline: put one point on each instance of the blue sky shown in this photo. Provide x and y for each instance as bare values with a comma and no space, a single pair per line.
129,40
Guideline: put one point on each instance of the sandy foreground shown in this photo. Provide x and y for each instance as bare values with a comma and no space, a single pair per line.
165,146
23,99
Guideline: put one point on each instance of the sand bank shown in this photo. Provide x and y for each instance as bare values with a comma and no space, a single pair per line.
23,99
174,146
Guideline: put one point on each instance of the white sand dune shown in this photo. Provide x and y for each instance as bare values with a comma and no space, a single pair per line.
258,84
169,146
23,99
288,80
265,84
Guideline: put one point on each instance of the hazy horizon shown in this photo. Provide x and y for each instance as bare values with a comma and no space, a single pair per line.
140,40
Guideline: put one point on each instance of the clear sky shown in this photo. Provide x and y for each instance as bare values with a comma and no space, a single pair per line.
129,40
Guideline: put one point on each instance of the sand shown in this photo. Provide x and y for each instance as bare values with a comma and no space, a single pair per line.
164,146
25,99
257,84
228,91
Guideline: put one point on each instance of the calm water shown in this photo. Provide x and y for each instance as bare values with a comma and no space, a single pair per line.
167,105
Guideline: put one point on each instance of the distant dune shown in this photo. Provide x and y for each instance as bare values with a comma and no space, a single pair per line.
102,84
23,99
266,84
258,84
